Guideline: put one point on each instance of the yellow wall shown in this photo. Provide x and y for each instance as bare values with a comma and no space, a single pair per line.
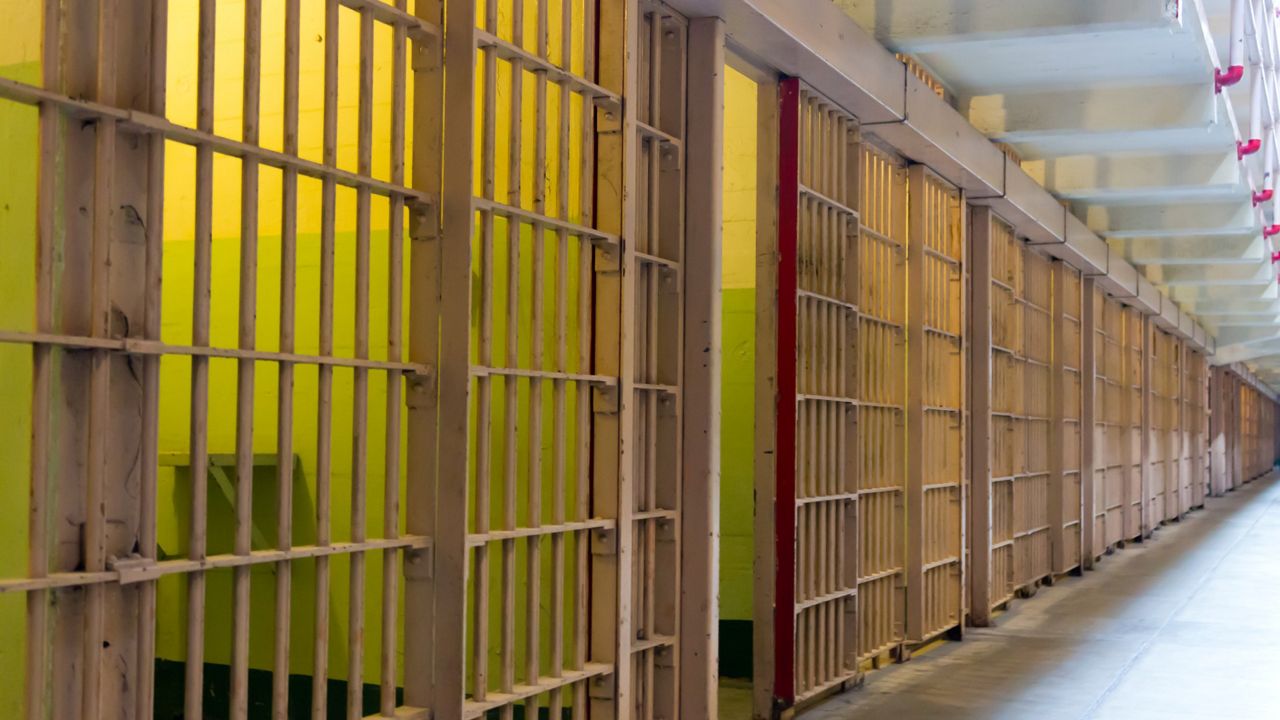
738,400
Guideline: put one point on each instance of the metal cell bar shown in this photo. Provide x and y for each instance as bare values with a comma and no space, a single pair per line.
389,611
197,543
360,381
532,670
284,392
324,424
559,388
479,661
510,443
245,368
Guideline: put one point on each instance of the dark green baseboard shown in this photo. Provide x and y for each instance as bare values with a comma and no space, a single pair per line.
171,681
735,649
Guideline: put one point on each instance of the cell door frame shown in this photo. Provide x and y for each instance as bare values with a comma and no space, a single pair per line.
780,293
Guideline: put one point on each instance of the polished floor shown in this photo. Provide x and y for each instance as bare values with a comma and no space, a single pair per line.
1185,626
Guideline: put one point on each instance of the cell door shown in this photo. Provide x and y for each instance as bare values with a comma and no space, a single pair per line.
1065,443
560,361
815,487
882,388
1031,531
1111,425
229,468
936,463
1008,427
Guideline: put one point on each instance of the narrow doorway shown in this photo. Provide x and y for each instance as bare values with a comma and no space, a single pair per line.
750,97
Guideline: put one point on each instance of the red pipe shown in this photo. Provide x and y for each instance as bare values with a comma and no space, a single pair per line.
1233,75
1261,197
1269,231
784,606
1247,148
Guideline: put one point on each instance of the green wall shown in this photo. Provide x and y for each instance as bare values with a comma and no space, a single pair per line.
737,450
20,32
18,148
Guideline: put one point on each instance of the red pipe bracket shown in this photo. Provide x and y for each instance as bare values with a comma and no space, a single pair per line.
1233,75
1247,148
1269,231
1261,197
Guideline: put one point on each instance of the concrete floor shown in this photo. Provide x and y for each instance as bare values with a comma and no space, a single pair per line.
1183,627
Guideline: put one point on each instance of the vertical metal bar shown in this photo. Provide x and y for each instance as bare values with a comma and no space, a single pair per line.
245,368
1088,417
387,671
588,299
324,424
918,228
533,547
360,393
559,433
484,384
510,385
199,449
284,407
980,389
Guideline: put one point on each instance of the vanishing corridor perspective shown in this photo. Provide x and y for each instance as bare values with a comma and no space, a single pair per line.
638,359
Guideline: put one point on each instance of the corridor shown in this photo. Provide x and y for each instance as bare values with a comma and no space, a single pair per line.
1182,627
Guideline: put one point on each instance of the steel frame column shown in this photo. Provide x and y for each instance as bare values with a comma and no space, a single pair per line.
1057,426
1088,405
1144,513
700,503
980,382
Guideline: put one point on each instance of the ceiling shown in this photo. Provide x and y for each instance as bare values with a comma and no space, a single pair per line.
1111,105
